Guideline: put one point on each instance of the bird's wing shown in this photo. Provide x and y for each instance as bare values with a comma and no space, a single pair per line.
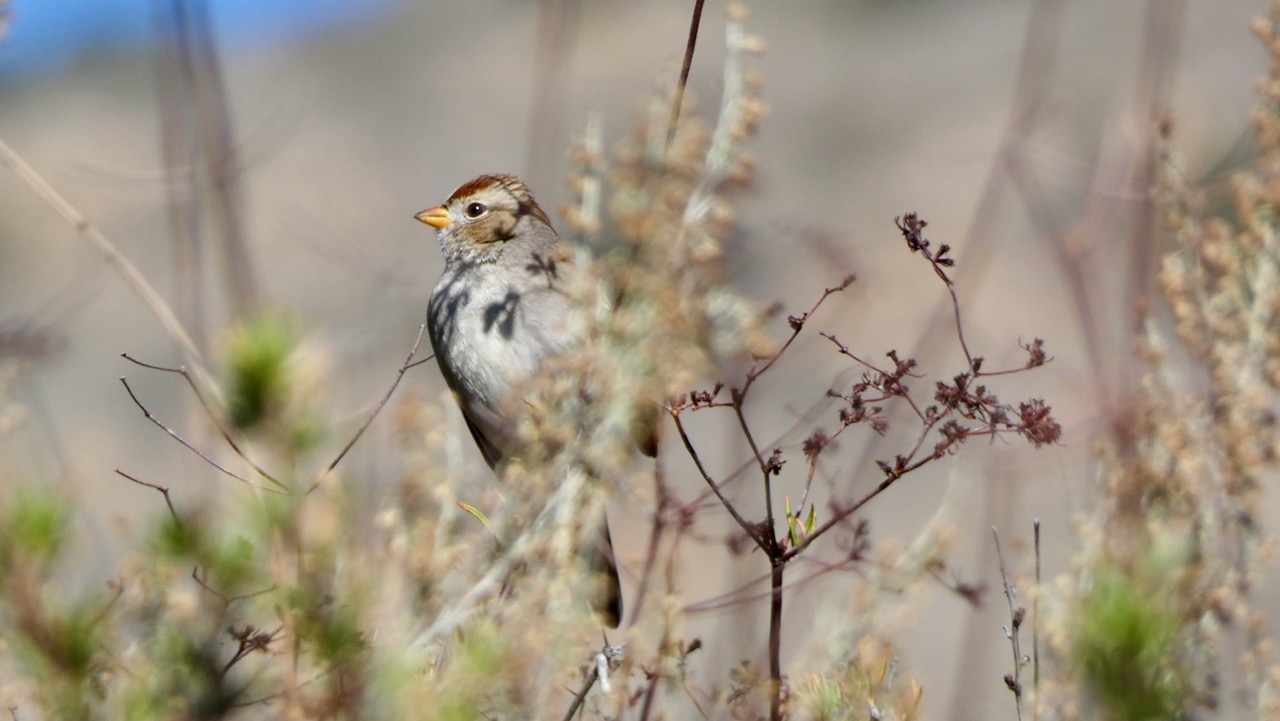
489,430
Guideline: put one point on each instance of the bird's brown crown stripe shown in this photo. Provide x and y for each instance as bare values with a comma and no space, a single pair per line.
477,184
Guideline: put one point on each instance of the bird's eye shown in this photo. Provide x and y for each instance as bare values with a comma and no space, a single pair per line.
475,210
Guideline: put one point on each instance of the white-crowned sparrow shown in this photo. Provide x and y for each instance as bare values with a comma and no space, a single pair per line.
497,314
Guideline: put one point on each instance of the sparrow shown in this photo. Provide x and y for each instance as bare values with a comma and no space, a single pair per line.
499,312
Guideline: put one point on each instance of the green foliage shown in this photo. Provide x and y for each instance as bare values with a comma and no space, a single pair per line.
188,679
175,538
258,383
329,626
273,384
478,676
304,432
1126,645
33,527
56,642
230,564
62,641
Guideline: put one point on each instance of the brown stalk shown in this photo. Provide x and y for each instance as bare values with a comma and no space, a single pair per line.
114,258
690,45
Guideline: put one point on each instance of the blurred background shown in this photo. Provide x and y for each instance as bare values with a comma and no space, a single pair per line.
1018,130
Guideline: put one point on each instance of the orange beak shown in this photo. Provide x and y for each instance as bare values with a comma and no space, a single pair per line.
437,217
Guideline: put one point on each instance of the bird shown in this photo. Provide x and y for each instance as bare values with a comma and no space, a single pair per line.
497,315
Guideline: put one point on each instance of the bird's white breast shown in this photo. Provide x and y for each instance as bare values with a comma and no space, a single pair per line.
490,335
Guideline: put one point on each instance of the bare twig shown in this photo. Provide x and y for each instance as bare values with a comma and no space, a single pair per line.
174,434
743,593
768,467
665,502
1016,615
98,617
970,593
797,325
766,534
747,527
912,228
164,490
650,693
1035,621
581,695
898,390
962,398
694,22
777,566
404,368
213,417
226,600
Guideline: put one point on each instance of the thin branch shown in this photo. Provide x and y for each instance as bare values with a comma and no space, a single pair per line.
1035,620
174,434
912,228
785,439
765,469
226,600
1016,615
843,350
970,593
778,566
106,608
715,487
649,694
1035,70
684,72
797,325
213,418
683,658
268,698
578,698
665,500
705,399
404,368
743,594
164,490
